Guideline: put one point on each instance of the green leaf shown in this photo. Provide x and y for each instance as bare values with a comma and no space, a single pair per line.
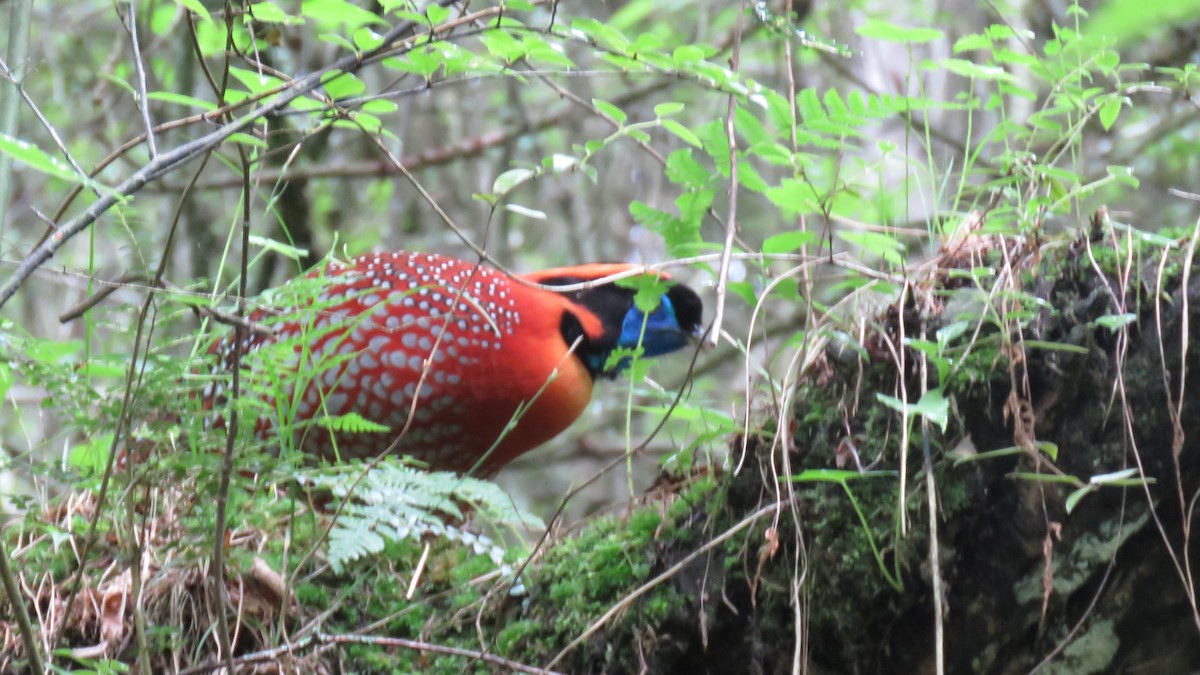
933,406
418,61
686,54
6,380
609,109
604,34
947,333
636,134
96,368
527,212
33,157
279,247
269,12
1128,20
181,99
255,82
339,13
890,32
1122,478
379,106
750,128
683,169
510,179
972,42
1074,497
683,133
836,475
990,454
650,291
503,45
1044,478
1055,346
247,140
667,109
349,423
1108,60
971,70
1123,174
339,85
53,351
559,162
540,52
876,243
1109,112
1115,321
366,39
794,197
196,7
786,242
91,458
437,13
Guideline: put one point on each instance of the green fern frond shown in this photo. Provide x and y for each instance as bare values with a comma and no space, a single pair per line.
395,502
351,423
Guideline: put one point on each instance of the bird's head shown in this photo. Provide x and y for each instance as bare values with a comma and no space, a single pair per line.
653,313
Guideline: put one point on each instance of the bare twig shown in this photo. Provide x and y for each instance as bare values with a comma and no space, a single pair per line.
432,157
22,615
140,67
670,572
317,639
18,51
235,365
935,563
731,220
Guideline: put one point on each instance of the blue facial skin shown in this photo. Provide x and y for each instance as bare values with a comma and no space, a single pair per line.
662,334
659,334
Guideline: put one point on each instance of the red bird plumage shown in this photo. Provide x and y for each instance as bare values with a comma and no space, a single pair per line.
466,351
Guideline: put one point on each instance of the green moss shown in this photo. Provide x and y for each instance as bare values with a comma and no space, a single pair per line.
584,576
643,523
1092,651
1077,564
312,595
513,633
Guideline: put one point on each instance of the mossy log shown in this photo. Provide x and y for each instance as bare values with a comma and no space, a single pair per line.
1048,561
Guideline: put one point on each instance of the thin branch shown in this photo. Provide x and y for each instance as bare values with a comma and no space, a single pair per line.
338,639
731,220
19,19
670,572
231,429
140,68
432,157
15,601
935,563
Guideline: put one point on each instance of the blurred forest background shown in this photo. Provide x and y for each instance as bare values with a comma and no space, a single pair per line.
866,135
